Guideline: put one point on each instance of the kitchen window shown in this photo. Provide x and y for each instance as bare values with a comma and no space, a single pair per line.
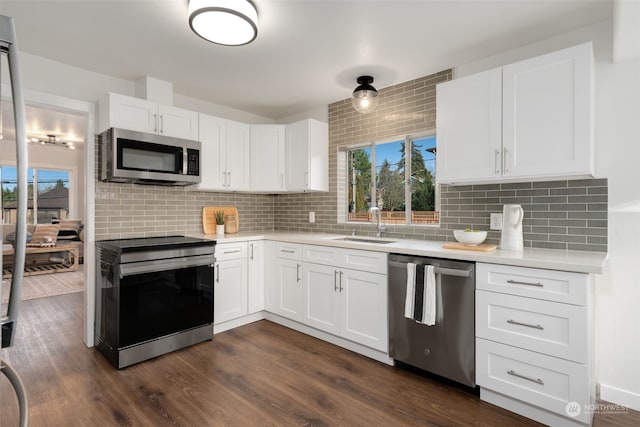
48,195
399,181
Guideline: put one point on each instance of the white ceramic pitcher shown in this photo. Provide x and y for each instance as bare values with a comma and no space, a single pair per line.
511,238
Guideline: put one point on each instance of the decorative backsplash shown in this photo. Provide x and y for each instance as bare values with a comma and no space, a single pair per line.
558,214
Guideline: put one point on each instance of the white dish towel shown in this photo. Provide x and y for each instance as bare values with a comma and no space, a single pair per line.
411,290
429,297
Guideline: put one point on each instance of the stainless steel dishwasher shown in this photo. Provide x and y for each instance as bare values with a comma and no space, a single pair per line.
448,347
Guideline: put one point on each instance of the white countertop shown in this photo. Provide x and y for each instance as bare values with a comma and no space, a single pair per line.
576,261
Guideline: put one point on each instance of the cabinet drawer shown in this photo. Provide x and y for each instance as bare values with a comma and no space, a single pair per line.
542,381
321,254
551,285
546,327
225,251
289,251
373,262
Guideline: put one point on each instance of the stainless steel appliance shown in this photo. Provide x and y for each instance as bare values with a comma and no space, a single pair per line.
153,295
448,347
9,50
144,158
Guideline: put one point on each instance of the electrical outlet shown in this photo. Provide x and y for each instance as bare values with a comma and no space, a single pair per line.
496,221
312,217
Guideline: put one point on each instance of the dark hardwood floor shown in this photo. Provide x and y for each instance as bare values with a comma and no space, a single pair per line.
260,374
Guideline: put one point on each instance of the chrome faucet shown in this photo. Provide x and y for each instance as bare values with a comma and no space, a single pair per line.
379,225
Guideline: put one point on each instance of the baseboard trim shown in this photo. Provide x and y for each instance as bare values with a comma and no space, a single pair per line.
620,397
236,323
340,342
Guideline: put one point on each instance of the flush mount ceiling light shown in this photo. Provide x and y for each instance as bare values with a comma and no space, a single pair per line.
365,96
225,22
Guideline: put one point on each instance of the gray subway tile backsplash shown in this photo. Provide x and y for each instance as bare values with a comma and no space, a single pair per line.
559,214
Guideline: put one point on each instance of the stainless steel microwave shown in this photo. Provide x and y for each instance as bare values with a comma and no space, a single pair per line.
144,158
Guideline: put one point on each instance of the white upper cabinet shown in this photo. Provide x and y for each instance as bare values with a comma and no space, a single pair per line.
469,125
213,152
238,155
127,112
527,120
267,157
307,156
224,155
547,104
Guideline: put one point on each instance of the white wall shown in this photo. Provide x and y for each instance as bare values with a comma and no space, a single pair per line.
617,129
44,75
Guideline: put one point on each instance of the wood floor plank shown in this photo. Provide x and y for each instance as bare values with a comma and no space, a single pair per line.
261,374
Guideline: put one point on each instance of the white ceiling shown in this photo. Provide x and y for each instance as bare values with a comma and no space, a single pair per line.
307,54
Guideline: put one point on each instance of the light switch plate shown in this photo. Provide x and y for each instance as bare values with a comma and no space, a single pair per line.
312,217
496,221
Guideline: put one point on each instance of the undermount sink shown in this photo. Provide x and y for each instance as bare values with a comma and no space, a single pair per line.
380,241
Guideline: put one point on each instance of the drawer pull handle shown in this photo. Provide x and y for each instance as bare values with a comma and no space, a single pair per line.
517,282
287,251
232,252
528,325
524,377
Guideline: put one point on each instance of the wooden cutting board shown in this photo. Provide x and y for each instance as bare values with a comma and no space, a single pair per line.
484,247
209,218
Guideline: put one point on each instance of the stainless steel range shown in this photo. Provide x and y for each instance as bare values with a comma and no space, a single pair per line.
153,295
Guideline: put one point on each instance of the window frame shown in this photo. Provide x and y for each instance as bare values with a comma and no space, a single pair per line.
343,168
71,174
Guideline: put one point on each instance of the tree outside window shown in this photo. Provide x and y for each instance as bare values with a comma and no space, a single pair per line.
403,188
49,201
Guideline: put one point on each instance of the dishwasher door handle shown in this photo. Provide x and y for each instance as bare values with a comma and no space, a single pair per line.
439,270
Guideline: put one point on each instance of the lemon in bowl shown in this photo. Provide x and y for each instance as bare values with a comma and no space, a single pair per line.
470,237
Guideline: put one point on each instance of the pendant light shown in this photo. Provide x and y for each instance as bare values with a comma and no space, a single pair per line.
365,96
225,22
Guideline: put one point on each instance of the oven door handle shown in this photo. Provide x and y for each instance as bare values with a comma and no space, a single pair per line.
165,264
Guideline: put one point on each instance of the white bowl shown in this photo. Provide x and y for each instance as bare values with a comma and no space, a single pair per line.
470,238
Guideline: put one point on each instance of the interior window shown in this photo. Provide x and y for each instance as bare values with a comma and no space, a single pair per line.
48,195
377,176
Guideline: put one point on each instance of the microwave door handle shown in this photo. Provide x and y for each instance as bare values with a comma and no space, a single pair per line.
185,159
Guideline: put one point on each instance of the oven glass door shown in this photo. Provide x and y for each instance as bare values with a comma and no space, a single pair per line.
147,156
159,303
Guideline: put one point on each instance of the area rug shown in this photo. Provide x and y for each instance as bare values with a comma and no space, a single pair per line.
47,285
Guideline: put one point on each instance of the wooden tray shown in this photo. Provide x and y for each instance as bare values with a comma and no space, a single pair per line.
484,247
209,218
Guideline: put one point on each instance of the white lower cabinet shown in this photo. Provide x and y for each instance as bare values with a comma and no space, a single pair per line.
256,276
364,308
321,297
288,281
534,351
351,304
230,287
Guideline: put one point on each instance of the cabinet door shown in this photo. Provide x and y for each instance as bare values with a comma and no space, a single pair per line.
289,289
318,156
213,136
321,297
547,107
238,155
230,296
177,122
297,155
256,285
469,128
364,308
267,157
270,290
131,113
